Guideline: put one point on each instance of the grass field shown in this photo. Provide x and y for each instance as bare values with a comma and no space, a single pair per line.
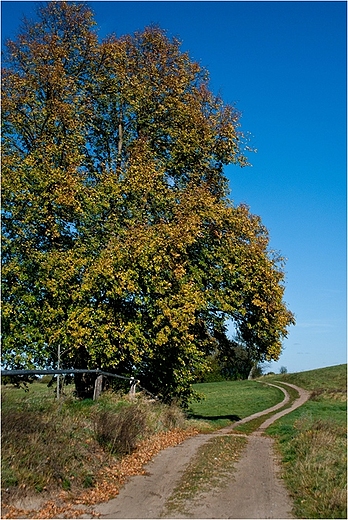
229,401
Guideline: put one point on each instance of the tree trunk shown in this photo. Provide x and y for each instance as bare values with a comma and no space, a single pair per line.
250,376
84,385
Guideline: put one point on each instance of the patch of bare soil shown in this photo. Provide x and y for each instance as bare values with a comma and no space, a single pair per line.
254,490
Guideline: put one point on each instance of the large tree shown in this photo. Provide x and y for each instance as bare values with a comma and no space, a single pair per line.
120,244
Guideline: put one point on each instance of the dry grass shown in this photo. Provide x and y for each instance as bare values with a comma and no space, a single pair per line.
119,433
47,450
50,446
109,480
319,469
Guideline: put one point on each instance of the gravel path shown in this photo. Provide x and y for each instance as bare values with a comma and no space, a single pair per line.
254,490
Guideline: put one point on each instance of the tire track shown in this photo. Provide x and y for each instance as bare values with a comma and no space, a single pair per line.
255,489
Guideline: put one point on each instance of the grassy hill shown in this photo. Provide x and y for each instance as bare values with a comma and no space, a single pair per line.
228,401
330,378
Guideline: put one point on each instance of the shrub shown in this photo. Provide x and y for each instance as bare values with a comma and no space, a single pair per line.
119,432
174,417
121,427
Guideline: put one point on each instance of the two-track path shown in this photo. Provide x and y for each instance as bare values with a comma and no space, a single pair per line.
254,490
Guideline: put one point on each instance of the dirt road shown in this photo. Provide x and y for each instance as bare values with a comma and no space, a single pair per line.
253,491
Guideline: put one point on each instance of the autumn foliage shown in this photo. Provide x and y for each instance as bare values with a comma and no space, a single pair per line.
120,243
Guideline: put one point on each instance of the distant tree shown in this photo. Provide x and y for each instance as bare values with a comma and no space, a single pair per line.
212,371
120,244
283,370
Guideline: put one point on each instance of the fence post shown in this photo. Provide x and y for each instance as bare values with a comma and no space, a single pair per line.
98,385
58,376
133,383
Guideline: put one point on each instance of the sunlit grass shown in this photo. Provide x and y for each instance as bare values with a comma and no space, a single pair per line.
312,443
230,401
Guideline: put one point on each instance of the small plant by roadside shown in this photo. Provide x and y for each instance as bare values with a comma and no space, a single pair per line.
136,420
119,433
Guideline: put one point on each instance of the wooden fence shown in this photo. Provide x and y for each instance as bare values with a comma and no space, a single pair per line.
98,381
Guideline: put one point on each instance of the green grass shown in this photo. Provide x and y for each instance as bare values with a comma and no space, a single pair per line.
312,444
228,401
254,424
329,378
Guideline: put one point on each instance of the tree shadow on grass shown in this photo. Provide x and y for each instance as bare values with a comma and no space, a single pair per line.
232,418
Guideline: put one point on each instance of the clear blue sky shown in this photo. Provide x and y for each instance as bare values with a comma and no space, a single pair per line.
284,66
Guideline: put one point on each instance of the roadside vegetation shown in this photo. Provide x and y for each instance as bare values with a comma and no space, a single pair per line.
312,444
51,446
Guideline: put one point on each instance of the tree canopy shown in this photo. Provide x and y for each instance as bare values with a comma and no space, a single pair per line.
120,242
